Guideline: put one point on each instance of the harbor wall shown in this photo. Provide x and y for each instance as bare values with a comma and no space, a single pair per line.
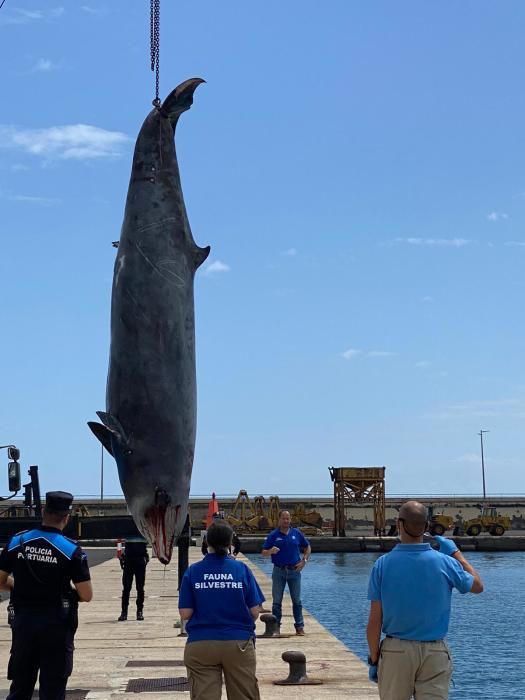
358,516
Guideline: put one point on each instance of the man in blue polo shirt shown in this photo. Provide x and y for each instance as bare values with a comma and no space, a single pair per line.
410,591
285,545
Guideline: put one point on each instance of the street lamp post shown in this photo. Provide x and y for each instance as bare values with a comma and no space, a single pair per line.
483,461
102,474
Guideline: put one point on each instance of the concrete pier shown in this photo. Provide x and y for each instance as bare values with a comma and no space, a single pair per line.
111,655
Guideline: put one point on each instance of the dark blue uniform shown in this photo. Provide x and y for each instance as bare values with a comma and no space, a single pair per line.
133,563
44,563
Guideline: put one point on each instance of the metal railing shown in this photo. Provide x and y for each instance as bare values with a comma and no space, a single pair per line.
320,496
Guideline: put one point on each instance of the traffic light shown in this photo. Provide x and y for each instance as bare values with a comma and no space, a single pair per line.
28,496
13,470
13,453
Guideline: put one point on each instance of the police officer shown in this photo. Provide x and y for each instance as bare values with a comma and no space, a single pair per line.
37,567
236,543
133,563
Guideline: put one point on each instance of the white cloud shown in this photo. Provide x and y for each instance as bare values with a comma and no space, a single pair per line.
74,141
423,363
18,15
469,457
515,244
427,300
435,242
488,408
216,266
291,252
27,199
95,11
350,353
44,65
497,216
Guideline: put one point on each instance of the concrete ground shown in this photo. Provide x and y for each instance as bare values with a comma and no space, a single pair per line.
105,647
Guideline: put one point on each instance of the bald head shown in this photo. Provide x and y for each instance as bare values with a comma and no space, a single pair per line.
414,516
413,512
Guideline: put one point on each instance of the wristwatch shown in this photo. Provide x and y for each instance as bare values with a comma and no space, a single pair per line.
370,662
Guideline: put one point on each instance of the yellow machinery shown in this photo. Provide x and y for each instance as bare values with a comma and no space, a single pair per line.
301,517
247,517
356,486
242,512
489,521
438,523
258,517
274,509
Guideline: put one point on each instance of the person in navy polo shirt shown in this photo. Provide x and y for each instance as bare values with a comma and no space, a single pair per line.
410,591
220,599
285,545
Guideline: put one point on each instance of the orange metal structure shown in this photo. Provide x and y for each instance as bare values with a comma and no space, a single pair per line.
358,485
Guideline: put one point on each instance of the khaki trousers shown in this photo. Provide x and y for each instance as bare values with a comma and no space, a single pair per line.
414,669
206,662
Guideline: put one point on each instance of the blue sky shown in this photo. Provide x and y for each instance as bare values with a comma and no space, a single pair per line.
357,168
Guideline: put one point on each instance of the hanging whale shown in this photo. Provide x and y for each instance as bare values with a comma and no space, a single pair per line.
150,420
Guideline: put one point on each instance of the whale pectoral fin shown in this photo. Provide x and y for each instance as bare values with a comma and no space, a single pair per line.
102,434
200,255
180,99
113,425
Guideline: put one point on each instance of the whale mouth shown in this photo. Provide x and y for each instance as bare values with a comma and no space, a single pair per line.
160,526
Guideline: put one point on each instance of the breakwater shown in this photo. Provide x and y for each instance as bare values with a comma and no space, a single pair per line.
327,544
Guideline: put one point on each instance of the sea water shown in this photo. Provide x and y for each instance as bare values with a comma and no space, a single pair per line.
486,634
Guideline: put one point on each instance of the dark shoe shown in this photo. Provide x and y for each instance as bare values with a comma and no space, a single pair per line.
299,631
140,615
123,617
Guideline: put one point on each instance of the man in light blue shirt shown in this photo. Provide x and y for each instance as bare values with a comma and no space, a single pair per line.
410,592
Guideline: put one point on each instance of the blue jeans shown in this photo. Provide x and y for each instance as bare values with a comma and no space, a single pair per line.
281,577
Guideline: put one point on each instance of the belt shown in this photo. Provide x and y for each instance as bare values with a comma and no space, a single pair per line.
419,641
286,566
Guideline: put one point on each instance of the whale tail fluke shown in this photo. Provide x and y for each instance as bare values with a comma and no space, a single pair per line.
180,99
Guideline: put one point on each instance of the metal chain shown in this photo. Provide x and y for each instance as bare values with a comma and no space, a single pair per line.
155,45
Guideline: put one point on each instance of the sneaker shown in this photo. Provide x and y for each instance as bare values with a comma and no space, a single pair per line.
299,631
123,617
140,615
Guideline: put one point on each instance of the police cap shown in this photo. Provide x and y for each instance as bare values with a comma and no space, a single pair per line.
59,501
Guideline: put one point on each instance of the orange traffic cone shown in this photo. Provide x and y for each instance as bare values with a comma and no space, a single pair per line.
213,507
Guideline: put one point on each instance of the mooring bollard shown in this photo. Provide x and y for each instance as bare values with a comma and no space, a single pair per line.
272,628
297,674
